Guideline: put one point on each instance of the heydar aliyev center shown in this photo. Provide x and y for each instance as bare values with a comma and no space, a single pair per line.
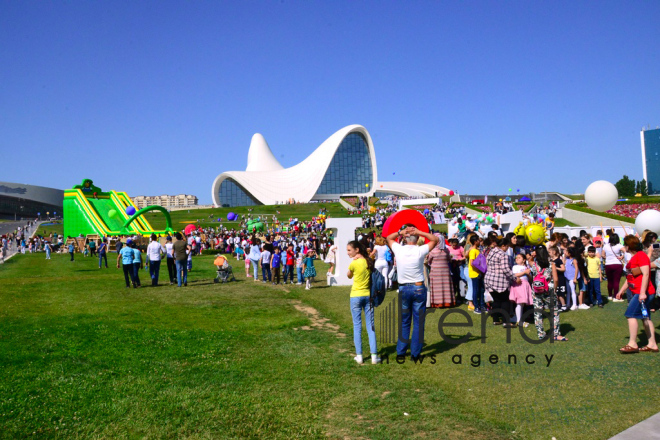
343,165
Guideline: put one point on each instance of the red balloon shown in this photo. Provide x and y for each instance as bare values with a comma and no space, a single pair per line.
410,217
451,193
189,228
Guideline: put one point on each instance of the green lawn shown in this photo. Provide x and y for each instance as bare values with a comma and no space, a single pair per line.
559,222
83,357
208,217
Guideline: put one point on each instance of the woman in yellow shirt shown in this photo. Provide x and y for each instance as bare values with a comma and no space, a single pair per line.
360,271
476,277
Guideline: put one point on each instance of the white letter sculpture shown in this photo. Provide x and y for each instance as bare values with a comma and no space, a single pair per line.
344,232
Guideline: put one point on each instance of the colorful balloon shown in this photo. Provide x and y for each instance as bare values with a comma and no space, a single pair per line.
130,210
112,213
451,193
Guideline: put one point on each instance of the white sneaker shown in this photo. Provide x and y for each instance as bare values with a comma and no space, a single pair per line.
307,288
617,300
573,307
584,307
358,358
375,359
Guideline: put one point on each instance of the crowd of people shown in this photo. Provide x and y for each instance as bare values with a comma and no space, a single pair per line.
505,277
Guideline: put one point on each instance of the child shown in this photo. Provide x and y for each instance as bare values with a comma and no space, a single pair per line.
290,261
561,279
299,267
247,265
86,252
308,268
595,276
275,261
571,273
239,253
190,255
265,265
521,293
48,250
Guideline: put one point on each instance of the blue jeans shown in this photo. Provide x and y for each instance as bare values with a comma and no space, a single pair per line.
255,268
181,267
357,305
154,268
413,303
478,292
102,256
594,287
288,272
136,272
299,273
265,272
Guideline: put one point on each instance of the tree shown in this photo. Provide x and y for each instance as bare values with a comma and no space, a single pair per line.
626,187
643,189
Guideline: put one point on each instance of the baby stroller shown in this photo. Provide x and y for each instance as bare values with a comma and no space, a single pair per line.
225,271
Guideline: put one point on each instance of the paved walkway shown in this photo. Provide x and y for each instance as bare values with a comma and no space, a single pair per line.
649,429
7,227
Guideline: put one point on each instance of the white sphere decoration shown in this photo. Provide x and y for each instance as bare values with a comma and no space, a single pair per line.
601,195
649,219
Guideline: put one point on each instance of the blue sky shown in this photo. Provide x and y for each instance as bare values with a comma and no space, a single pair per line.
155,97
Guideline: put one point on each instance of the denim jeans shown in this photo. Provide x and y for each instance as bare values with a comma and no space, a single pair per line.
478,292
102,256
413,304
181,272
300,275
265,272
255,268
358,304
594,288
288,271
154,268
136,272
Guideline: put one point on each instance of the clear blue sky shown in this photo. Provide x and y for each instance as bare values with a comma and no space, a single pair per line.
475,96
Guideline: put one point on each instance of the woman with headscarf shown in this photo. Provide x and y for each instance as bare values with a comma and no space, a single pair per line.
441,287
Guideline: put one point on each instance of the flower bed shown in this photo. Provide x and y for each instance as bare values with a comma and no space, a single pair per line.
353,201
632,210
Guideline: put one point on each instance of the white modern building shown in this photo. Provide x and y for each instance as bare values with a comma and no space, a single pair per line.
345,164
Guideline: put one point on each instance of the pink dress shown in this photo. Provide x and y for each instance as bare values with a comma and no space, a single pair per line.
521,293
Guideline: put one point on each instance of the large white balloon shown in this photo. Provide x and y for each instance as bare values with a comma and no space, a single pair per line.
649,219
601,195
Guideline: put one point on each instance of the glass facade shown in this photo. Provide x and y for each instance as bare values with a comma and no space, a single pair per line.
350,170
15,207
651,148
232,194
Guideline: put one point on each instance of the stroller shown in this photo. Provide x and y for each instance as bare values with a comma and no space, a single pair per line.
224,270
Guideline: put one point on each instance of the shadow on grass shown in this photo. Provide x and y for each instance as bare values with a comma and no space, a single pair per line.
565,329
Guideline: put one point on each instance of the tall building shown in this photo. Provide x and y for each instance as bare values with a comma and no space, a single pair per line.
345,164
178,201
651,159
18,200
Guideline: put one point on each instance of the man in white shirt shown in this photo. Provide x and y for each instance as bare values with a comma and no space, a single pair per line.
412,291
171,266
153,254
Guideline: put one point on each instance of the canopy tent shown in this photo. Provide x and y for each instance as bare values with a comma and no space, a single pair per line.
525,199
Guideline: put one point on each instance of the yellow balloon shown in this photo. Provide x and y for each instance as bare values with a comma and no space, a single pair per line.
534,234
367,185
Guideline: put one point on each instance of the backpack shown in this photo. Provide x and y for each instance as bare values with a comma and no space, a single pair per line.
539,283
377,287
388,256
480,263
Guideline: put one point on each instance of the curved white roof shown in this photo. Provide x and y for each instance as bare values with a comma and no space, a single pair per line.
268,182
410,189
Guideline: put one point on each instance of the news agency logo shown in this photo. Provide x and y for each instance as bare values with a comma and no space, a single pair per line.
390,330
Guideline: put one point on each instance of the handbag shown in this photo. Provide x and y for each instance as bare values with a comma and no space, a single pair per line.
480,263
